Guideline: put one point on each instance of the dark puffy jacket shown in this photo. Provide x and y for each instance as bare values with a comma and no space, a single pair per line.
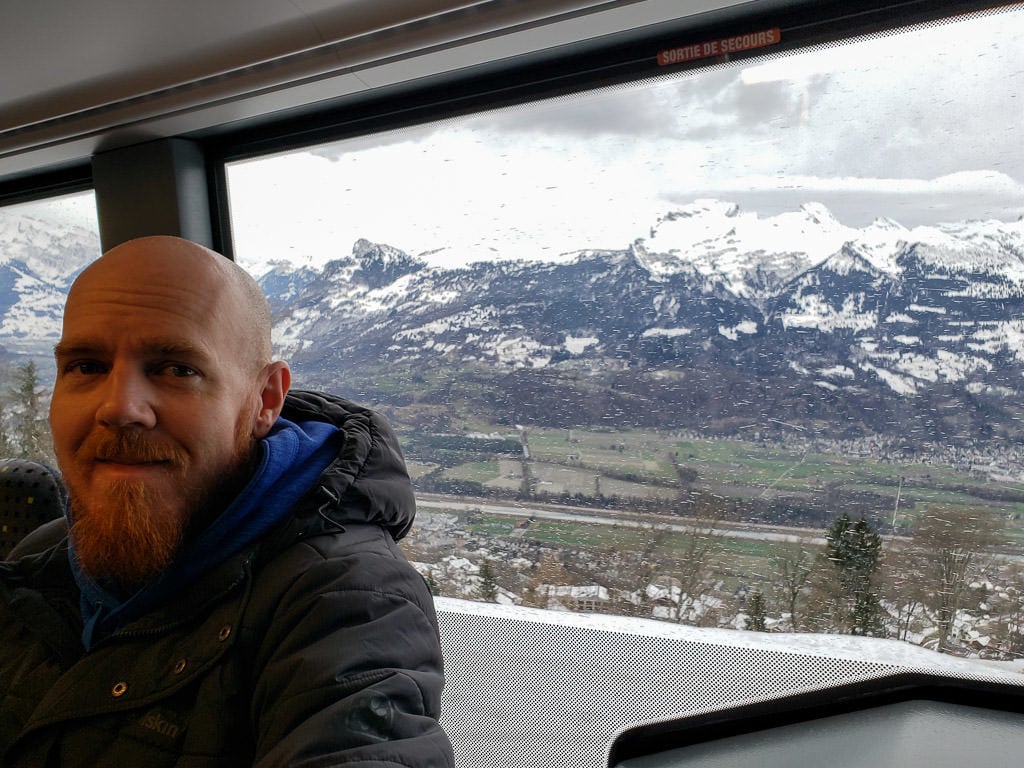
316,647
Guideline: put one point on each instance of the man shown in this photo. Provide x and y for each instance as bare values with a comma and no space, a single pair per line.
230,591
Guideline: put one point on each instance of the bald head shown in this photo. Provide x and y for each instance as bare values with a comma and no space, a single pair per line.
197,276
164,388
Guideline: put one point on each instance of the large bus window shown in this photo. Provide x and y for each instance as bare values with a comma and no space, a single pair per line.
734,347
45,244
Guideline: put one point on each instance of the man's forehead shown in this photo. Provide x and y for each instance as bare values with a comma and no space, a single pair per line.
163,284
115,299
149,320
152,267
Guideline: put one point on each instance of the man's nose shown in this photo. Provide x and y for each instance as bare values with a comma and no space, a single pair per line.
126,400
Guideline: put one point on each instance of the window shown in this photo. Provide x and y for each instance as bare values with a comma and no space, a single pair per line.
691,373
734,347
46,244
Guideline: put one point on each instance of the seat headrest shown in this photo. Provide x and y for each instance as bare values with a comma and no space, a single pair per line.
30,494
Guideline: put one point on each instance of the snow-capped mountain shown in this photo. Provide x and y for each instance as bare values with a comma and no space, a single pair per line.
719,319
38,261
753,257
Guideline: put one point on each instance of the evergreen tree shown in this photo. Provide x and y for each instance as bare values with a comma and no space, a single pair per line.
488,589
756,618
6,444
432,585
29,434
855,550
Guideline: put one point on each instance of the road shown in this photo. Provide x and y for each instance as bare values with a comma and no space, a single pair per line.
588,516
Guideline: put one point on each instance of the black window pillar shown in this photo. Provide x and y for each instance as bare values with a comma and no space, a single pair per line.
155,188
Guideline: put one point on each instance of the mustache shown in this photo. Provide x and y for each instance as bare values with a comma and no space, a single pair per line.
130,447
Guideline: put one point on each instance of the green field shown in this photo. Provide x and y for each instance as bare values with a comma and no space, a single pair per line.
663,467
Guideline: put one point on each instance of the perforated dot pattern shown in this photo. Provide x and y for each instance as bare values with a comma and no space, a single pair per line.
530,693
30,495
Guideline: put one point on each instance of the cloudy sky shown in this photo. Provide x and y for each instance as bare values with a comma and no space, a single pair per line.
922,127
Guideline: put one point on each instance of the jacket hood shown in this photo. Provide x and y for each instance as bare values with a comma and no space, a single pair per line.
367,482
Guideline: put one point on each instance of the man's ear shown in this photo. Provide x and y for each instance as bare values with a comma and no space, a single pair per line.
276,378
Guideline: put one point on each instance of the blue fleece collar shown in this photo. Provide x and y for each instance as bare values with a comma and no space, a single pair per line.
292,457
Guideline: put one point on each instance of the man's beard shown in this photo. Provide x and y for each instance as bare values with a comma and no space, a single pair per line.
134,532
130,540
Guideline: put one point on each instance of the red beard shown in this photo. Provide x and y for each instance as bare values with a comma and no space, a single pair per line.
133,533
127,541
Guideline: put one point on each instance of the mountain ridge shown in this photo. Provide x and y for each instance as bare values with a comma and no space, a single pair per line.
717,320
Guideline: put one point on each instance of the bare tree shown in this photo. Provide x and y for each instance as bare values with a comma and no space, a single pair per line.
904,588
698,541
549,572
793,565
676,553
954,546
1014,623
1006,605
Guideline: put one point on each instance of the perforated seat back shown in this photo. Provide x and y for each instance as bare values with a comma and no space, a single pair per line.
30,494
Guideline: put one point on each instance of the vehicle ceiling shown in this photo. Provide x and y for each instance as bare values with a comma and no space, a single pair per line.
96,74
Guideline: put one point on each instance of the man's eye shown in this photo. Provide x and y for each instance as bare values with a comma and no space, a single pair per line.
179,371
84,368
